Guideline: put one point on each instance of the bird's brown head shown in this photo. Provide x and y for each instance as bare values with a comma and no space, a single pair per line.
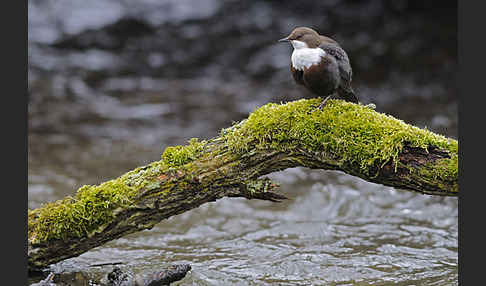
303,35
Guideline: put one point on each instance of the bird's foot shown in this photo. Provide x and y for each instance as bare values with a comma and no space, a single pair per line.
323,103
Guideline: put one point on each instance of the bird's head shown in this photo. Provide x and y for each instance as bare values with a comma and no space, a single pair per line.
302,37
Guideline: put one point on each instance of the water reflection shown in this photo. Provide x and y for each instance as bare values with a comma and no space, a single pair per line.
112,83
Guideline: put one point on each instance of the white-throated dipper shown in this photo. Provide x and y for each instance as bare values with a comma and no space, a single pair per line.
320,64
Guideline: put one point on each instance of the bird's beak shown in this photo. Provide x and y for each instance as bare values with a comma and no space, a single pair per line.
286,39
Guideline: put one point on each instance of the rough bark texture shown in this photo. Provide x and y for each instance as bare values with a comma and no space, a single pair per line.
201,172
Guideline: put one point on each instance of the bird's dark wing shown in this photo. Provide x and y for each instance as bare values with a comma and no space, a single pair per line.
345,71
342,59
297,75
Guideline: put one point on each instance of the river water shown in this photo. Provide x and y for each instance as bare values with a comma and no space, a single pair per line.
112,83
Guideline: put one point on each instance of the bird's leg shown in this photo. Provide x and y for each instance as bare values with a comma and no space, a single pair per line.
323,103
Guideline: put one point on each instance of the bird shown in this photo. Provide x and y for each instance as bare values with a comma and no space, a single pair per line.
320,64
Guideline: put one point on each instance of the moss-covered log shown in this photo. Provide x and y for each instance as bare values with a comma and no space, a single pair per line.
343,136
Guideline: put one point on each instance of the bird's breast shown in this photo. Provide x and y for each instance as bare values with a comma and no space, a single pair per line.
306,57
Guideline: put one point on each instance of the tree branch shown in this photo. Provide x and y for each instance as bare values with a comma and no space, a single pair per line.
343,136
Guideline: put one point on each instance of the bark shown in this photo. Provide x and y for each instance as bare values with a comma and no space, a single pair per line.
119,277
220,171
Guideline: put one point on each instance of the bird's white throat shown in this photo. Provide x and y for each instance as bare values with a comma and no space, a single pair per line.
304,57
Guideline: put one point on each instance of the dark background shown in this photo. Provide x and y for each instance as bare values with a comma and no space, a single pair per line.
219,59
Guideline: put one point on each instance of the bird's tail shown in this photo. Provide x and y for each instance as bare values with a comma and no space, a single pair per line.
348,94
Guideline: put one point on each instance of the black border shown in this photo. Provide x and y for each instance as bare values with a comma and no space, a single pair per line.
13,29
472,83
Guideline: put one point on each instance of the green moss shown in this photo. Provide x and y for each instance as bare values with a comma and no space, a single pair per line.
445,169
442,173
144,176
180,155
82,214
350,133
259,185
95,206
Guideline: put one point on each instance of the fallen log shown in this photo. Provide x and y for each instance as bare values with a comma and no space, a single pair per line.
343,136
119,277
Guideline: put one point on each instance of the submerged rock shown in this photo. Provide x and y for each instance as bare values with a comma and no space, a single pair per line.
158,278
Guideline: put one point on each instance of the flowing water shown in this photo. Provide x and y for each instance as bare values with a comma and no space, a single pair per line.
112,83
